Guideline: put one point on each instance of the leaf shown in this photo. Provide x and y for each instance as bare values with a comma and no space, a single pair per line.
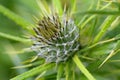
82,24
58,6
44,8
60,71
117,37
113,52
47,75
73,10
106,24
67,71
33,71
99,43
15,38
86,21
82,68
17,19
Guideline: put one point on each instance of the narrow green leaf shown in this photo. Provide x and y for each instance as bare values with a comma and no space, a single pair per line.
118,45
17,19
44,8
82,68
29,65
114,61
58,6
99,12
60,71
100,43
33,71
113,52
14,37
83,22
67,71
108,57
103,28
73,2
46,75
86,21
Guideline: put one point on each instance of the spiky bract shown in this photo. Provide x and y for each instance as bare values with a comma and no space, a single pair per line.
56,38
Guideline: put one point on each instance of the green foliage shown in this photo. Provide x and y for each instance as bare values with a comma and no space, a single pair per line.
33,71
19,20
82,68
98,57
15,38
104,27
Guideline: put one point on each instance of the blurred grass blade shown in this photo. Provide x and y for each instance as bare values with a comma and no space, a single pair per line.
23,66
16,60
106,24
73,10
58,6
44,8
46,75
39,76
82,68
114,61
100,43
86,21
101,12
108,57
15,38
103,42
67,71
113,52
82,24
60,71
17,19
84,18
28,65
118,44
33,71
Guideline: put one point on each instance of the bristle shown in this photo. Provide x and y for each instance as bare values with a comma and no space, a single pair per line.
58,38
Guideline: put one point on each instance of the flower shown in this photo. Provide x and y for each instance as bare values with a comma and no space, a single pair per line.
56,38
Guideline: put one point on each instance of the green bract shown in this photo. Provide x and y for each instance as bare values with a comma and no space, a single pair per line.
56,38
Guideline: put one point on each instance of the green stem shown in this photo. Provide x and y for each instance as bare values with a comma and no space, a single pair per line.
98,43
33,71
14,38
60,71
106,24
16,18
67,71
82,68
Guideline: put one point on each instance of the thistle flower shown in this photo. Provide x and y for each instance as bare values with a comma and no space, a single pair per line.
56,38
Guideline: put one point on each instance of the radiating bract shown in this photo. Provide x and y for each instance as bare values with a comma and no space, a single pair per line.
56,38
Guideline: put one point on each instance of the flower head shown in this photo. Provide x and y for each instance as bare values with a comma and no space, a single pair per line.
56,37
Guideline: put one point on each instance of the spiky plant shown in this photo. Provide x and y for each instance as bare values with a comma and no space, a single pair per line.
56,38
61,37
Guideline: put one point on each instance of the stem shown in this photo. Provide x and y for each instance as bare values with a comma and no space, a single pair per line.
82,68
98,43
33,71
15,38
106,24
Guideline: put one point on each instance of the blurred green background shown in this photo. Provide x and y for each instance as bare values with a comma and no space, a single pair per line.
24,8
8,48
